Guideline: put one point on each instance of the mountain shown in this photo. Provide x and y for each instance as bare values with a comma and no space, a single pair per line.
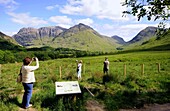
83,37
144,35
80,36
148,40
158,43
8,43
119,39
7,38
31,36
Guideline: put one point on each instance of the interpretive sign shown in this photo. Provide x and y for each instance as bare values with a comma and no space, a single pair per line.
70,87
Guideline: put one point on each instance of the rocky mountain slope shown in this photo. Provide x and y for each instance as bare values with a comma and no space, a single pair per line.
31,36
7,38
144,35
8,43
119,39
81,37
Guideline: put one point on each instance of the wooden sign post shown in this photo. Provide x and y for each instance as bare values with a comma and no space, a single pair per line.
142,68
0,69
125,70
60,71
158,67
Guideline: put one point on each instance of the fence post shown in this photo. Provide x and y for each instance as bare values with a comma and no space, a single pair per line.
158,67
84,68
125,70
0,70
60,71
142,67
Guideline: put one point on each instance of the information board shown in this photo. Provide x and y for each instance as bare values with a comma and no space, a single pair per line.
69,87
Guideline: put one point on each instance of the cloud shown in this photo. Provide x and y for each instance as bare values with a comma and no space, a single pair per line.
10,33
26,19
103,9
67,22
127,32
10,5
51,7
62,21
86,21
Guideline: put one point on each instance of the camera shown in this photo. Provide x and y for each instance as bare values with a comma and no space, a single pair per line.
34,58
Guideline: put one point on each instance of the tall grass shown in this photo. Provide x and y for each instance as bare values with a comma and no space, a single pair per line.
115,90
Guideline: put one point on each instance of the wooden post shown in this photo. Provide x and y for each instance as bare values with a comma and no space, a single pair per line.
60,71
83,68
90,92
125,70
0,69
142,68
74,98
158,67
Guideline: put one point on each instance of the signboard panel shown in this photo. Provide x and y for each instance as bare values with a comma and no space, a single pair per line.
70,87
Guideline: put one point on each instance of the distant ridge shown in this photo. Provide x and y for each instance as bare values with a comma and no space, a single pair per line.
8,43
80,36
83,37
145,34
119,39
26,36
7,38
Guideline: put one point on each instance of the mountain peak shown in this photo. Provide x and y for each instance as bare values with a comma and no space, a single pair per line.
81,27
120,40
145,34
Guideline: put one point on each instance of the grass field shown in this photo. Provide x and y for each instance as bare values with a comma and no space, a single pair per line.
142,82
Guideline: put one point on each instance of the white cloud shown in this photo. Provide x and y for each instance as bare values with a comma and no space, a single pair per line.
10,5
127,32
110,9
62,21
26,19
51,7
10,33
6,2
67,22
86,21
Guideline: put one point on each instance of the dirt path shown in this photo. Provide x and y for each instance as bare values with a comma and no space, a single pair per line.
152,107
93,105
30,109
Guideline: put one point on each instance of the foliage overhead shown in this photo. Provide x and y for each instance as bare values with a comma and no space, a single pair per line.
157,9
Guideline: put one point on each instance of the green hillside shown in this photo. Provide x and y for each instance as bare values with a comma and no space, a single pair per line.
8,43
154,43
7,38
85,40
79,37
121,91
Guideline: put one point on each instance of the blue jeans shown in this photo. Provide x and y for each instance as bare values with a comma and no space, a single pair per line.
28,87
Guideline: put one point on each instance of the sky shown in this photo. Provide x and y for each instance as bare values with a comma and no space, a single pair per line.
104,16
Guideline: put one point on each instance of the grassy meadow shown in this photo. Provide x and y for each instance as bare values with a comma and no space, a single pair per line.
134,79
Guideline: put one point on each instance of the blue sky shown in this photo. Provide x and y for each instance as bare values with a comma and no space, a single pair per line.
104,16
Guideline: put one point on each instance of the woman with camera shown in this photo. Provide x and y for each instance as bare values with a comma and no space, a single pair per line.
28,78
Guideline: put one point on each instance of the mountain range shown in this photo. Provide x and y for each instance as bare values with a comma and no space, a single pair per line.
80,37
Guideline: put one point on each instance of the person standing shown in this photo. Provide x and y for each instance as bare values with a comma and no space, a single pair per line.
79,69
106,66
28,78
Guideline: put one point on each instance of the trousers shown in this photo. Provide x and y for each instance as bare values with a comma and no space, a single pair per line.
28,87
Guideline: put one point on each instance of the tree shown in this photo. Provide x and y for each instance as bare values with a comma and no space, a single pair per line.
152,9
156,9
9,57
1,56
